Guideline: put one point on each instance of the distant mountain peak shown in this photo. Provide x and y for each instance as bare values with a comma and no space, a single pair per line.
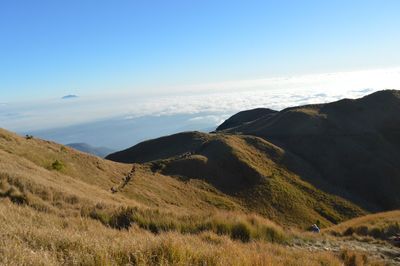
69,96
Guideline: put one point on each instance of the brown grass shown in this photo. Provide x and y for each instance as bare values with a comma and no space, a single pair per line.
70,217
33,238
379,226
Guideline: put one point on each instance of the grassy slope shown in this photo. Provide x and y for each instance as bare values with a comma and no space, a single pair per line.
380,225
50,217
247,169
352,144
152,190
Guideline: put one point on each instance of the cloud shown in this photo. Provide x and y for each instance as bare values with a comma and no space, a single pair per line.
206,102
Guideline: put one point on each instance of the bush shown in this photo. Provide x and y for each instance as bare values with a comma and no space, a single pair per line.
101,216
362,230
57,165
222,229
349,231
122,219
272,235
241,231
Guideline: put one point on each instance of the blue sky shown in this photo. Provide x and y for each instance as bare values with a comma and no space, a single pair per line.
52,48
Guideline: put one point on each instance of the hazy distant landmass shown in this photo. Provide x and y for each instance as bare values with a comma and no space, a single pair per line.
70,96
119,133
98,151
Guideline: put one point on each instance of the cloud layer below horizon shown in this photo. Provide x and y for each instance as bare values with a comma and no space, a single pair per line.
206,105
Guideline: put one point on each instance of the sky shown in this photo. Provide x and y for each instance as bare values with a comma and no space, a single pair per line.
51,48
191,63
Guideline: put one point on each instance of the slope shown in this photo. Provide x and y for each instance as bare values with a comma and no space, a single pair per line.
250,170
66,215
63,213
353,145
244,117
34,161
383,226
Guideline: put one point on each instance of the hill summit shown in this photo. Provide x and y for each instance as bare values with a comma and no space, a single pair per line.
354,145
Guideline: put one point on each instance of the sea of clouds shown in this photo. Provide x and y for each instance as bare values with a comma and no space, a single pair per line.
120,119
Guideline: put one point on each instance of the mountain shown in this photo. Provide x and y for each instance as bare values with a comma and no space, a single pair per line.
244,117
70,96
195,199
84,147
346,152
57,208
353,145
255,172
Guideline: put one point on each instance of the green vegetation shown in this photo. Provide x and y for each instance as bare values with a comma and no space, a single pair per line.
237,226
57,165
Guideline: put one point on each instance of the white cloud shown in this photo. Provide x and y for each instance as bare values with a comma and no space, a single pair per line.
217,100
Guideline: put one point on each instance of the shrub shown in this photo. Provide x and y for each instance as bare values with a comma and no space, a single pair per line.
241,231
222,229
362,230
349,231
122,219
393,229
272,235
57,165
101,216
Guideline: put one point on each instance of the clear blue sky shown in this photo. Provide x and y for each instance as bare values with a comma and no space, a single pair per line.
51,48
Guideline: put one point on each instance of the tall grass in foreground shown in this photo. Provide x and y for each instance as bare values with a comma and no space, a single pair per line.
237,226
33,238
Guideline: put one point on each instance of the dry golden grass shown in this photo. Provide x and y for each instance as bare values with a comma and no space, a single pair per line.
380,226
65,216
33,238
31,160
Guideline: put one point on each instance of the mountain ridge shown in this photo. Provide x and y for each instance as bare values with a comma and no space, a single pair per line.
339,143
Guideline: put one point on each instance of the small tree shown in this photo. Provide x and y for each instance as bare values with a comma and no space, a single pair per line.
57,165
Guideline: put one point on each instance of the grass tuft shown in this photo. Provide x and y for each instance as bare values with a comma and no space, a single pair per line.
57,165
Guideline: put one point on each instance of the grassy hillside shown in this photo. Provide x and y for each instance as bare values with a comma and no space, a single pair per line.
352,145
380,226
36,157
248,169
165,147
51,215
64,213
